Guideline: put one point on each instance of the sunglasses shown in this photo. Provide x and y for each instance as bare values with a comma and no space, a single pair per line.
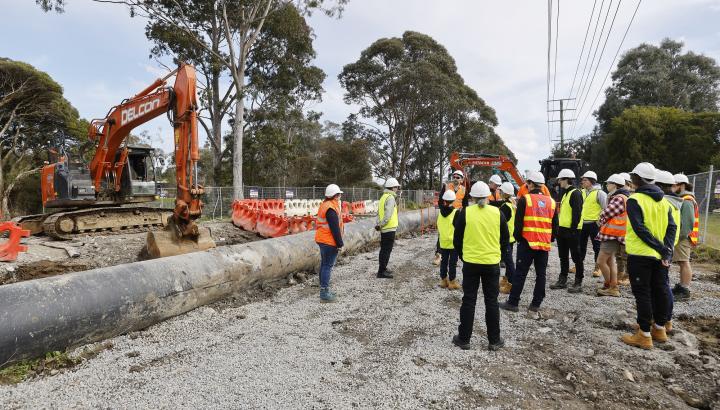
457,177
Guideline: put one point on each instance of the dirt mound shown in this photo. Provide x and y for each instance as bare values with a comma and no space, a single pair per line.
707,331
42,269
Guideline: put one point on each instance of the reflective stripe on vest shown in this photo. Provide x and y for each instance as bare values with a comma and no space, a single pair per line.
695,233
617,225
393,221
446,230
676,217
481,242
655,216
323,234
511,222
537,223
591,207
566,210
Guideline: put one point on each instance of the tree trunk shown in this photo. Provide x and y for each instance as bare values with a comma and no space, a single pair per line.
239,132
8,191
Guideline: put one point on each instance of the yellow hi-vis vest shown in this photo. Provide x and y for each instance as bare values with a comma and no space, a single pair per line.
481,242
393,221
446,230
566,210
511,222
655,216
591,207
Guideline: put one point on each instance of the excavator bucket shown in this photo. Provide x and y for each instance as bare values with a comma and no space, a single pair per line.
168,243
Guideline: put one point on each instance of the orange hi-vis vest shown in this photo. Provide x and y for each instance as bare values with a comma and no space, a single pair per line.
695,233
496,195
524,191
617,226
537,223
459,194
322,229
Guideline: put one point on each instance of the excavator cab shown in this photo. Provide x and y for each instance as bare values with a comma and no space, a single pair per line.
550,168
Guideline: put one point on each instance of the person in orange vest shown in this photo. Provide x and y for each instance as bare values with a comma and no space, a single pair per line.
689,234
621,257
328,236
495,194
535,224
612,223
456,185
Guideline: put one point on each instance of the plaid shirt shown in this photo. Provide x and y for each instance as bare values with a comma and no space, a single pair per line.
615,207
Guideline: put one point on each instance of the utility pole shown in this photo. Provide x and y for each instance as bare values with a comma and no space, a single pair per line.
562,119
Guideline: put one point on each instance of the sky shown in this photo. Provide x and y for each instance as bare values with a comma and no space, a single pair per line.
100,55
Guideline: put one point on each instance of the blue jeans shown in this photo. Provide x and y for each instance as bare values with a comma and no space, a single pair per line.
448,261
507,258
328,255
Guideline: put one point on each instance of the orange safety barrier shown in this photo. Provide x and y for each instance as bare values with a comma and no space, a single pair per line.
358,208
273,206
271,226
244,217
347,218
10,249
346,208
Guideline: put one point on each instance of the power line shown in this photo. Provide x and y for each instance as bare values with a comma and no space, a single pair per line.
612,64
547,92
582,50
592,41
557,35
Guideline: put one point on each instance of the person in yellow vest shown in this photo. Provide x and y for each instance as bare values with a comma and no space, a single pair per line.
481,233
446,230
534,225
665,181
508,210
594,201
612,223
689,233
457,186
621,257
568,235
649,243
387,223
328,236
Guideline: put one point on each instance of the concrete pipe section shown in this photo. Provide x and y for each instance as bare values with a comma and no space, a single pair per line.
60,312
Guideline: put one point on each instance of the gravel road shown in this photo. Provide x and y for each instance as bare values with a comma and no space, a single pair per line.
386,343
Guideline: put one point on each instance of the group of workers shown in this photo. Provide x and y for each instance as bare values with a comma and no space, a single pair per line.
647,219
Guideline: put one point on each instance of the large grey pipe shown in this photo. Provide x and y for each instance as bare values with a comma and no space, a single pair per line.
55,313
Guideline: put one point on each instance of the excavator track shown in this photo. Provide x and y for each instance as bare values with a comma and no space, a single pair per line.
100,221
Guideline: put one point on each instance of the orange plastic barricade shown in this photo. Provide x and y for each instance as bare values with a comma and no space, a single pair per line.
296,224
347,218
358,208
244,216
271,226
10,249
309,222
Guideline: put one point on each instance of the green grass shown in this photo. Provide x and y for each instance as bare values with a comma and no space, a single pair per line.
712,237
17,372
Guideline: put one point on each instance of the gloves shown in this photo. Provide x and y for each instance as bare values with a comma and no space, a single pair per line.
377,228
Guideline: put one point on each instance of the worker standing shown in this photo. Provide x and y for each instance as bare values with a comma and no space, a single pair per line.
535,221
446,230
495,193
649,242
456,185
689,233
480,234
387,223
612,223
568,235
507,208
621,257
328,236
666,181
594,201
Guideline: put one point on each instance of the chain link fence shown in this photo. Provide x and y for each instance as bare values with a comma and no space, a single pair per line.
707,193
218,200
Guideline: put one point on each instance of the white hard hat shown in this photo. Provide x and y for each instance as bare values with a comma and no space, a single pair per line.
566,173
536,177
644,170
625,176
458,172
507,188
495,179
480,190
681,179
449,195
332,190
590,175
664,177
391,183
616,179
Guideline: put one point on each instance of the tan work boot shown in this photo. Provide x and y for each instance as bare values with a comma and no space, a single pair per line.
444,282
623,279
638,340
669,327
454,285
658,335
505,286
596,272
609,291
437,259
572,269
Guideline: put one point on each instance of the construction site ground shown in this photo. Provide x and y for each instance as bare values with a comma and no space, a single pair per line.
386,343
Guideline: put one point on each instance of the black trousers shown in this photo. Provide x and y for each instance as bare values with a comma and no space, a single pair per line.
648,282
448,263
473,275
589,231
387,239
527,257
569,245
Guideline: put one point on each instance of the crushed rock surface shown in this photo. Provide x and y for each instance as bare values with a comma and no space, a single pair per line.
386,343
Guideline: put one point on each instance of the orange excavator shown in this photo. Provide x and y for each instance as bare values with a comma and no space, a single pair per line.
94,198
462,160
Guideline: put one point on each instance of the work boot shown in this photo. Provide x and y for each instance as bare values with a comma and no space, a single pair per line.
680,292
669,328
638,340
454,285
609,291
507,306
658,335
576,287
572,269
534,309
494,347
444,283
385,275
623,279
505,285
326,296
459,343
561,283
436,260
596,272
